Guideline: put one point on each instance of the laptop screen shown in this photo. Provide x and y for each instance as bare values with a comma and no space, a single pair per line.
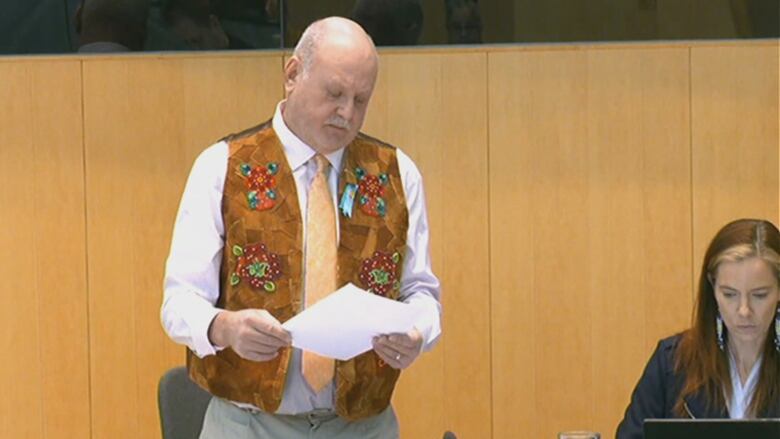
712,428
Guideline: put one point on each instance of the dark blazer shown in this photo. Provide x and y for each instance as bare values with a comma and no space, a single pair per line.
657,391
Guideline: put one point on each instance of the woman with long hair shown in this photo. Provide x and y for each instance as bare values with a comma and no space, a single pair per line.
727,365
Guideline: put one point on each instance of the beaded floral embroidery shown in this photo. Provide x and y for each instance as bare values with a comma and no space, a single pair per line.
371,188
256,266
261,184
378,273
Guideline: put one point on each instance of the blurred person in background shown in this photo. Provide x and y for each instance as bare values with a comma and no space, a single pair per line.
193,22
464,22
111,25
390,22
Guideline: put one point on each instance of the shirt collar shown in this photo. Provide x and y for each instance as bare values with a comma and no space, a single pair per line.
296,150
742,394
752,376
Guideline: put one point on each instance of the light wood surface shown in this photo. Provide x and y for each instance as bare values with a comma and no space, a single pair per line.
537,205
145,121
43,284
639,185
734,135
598,199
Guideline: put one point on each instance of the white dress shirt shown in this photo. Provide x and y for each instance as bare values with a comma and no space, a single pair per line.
193,267
741,394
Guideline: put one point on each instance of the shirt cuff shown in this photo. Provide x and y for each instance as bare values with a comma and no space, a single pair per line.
200,333
429,321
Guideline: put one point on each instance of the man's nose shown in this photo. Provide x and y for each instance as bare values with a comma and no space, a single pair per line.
347,109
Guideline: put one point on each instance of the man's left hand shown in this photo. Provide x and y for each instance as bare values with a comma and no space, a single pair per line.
399,350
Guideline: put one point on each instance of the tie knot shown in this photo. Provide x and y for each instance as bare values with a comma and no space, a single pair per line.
322,163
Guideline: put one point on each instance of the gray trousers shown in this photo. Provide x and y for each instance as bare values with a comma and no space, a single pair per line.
226,421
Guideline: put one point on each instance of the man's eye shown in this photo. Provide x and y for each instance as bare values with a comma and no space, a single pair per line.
334,94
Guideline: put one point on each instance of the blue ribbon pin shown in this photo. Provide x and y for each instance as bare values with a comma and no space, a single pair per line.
348,199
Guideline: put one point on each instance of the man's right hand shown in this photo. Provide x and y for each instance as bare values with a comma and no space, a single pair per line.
254,334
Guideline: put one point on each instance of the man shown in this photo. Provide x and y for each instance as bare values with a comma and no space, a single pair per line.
260,236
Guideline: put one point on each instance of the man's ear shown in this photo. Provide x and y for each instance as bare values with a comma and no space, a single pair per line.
293,69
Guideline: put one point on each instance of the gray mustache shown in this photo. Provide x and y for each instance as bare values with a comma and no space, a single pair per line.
338,122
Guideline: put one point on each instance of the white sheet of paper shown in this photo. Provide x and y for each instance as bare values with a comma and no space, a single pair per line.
342,325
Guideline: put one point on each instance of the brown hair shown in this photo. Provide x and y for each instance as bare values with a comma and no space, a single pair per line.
705,366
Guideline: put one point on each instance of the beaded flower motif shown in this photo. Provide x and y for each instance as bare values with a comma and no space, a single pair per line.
261,184
378,273
256,266
371,188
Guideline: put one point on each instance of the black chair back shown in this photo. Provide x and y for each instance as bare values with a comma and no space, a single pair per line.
182,405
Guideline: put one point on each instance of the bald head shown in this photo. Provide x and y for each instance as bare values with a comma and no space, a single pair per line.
333,36
329,81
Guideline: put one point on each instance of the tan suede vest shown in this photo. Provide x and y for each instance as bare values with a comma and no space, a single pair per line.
262,263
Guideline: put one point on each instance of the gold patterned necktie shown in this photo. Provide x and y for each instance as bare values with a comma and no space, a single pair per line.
320,277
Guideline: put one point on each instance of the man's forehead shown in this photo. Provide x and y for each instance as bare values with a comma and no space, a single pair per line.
345,53
359,82
345,67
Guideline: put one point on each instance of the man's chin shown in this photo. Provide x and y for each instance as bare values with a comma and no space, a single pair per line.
334,143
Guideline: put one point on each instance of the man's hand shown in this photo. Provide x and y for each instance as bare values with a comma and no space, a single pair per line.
253,334
399,350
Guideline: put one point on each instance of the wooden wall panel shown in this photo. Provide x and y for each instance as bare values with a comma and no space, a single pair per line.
145,121
43,291
538,245
734,129
433,107
589,208
639,216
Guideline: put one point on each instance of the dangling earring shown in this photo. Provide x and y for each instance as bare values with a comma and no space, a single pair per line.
719,328
777,329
